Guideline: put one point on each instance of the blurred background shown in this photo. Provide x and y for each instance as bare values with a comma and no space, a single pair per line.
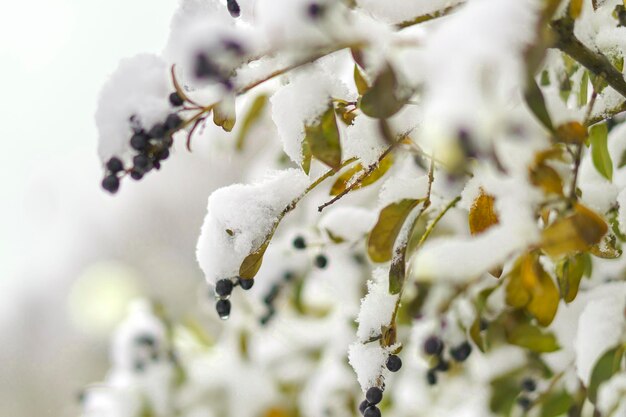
71,256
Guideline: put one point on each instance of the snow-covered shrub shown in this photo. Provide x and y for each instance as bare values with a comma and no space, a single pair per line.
468,158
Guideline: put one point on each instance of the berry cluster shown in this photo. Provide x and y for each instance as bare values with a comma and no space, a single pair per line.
223,290
152,147
374,395
272,295
528,386
320,260
434,346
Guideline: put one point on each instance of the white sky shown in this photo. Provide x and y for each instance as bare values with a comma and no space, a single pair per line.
54,56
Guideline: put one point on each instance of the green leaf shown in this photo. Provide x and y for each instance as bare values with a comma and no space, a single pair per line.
255,111
252,263
359,81
569,272
397,270
536,103
382,100
600,156
603,370
531,337
224,113
383,236
350,175
323,139
556,404
583,92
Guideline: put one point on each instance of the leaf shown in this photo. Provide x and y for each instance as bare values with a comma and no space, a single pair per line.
482,214
252,263
345,115
306,156
477,335
350,175
569,273
583,92
574,233
547,179
571,132
516,294
532,337
536,103
224,113
397,272
383,236
575,7
382,101
603,370
359,81
255,111
323,139
556,404
598,136
544,296
607,248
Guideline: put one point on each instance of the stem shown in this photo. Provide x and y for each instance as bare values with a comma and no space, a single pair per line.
427,17
432,225
606,115
579,149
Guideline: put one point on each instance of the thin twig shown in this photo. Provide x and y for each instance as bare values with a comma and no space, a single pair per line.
579,149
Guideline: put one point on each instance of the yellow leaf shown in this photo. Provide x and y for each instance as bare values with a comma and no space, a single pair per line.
482,214
383,236
224,113
350,175
571,132
516,294
575,7
322,138
252,263
544,297
547,179
574,233
569,272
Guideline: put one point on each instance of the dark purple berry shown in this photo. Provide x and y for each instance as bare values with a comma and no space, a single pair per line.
233,8
157,131
173,121
374,395
111,183
364,404
233,46
139,141
524,403
176,100
223,309
204,67
224,287
136,175
461,352
433,345
162,154
371,411
442,365
528,384
299,242
321,261
431,377
246,284
115,165
394,363
315,10
142,163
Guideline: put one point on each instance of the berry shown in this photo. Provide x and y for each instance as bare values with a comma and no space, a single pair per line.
524,402
223,308
142,163
315,10
371,411
442,365
205,68
176,100
433,345
111,183
173,121
289,276
321,261
299,242
461,352
223,287
528,384
394,363
364,404
157,131
162,154
374,395
233,46
271,296
246,284
233,8
136,175
431,377
139,141
115,165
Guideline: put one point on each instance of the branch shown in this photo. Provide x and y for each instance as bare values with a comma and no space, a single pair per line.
592,120
427,17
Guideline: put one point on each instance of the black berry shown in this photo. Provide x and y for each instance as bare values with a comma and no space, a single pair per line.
162,154
233,46
442,365
223,308
433,345
115,165
139,141
173,121
315,10
431,377
321,261
246,284
157,131
299,242
142,163
224,287
524,402
176,100
364,404
136,175
233,8
371,411
374,395
528,384
205,68
461,352
111,183
394,363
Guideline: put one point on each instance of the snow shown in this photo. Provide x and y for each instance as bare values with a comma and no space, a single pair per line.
612,396
403,186
249,212
139,87
301,103
398,11
368,361
377,306
350,223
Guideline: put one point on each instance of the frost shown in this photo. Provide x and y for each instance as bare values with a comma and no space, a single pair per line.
138,88
248,212
377,307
